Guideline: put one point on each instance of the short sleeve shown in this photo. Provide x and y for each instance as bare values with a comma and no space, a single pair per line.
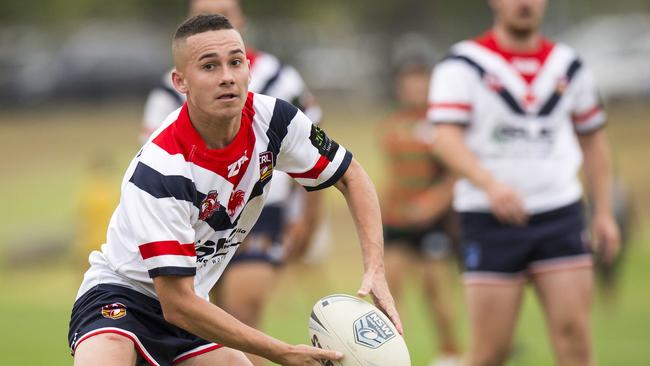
587,112
309,156
450,93
291,87
158,210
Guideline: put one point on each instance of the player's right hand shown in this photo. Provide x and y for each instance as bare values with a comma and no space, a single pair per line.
303,355
506,204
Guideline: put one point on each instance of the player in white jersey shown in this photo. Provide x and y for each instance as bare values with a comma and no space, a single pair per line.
515,115
189,198
246,287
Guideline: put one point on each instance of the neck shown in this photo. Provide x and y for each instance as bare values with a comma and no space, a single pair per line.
217,133
517,41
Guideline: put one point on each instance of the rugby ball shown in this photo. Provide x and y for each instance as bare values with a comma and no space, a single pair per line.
357,329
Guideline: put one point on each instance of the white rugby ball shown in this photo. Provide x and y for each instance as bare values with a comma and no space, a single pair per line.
357,329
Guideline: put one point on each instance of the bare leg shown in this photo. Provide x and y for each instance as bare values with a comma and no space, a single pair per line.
220,357
566,297
397,260
437,285
106,349
244,292
493,311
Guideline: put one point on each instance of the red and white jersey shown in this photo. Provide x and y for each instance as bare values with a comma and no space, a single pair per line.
269,76
521,113
185,209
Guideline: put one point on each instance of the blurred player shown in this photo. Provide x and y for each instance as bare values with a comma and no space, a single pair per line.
189,198
419,226
98,196
515,115
246,287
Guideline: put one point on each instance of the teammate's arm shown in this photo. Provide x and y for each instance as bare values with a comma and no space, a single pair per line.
183,308
597,167
450,147
361,197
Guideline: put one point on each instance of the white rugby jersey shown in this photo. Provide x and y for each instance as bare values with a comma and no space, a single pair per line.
521,113
268,76
185,209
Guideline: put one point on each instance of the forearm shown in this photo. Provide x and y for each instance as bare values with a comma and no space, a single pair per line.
199,317
361,197
597,169
449,146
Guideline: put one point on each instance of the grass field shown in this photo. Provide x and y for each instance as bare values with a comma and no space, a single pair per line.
43,156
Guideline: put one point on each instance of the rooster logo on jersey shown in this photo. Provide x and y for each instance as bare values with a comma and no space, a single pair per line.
235,202
209,205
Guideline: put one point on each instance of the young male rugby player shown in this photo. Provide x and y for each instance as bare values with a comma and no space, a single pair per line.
189,198
516,114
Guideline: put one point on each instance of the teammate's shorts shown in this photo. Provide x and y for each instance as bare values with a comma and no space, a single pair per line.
116,309
496,253
270,224
434,242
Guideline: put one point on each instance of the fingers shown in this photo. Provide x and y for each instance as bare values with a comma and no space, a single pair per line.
366,286
322,354
393,315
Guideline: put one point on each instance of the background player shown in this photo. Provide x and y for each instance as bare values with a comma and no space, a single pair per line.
247,286
514,111
420,228
202,179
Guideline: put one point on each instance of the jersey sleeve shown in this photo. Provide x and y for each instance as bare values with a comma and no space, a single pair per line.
450,93
308,155
291,87
587,111
158,210
161,101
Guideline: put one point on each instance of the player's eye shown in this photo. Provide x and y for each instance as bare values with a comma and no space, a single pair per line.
236,62
209,66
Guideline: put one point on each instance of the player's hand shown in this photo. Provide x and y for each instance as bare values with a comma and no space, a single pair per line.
506,204
303,355
374,283
606,237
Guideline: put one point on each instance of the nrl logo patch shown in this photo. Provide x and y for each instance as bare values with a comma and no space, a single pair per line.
372,331
266,165
209,205
114,311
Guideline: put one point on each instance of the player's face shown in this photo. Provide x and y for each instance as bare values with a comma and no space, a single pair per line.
412,89
520,17
228,8
212,70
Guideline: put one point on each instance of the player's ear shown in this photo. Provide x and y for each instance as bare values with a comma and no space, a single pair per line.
178,80
248,62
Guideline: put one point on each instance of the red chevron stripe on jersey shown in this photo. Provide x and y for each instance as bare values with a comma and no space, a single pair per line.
170,247
527,64
314,172
219,161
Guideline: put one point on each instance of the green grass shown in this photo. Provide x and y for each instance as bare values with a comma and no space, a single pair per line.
44,157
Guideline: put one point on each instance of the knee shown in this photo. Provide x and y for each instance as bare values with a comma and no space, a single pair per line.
495,356
573,337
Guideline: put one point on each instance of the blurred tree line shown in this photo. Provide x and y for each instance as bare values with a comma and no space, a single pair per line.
383,16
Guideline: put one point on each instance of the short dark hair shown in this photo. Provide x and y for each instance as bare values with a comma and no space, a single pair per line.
202,23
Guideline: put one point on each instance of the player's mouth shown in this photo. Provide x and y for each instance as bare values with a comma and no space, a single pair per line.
227,97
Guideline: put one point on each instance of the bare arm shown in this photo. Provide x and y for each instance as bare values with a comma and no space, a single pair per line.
183,308
597,168
361,197
450,147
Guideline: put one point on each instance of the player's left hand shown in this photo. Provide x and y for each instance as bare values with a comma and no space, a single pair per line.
606,237
374,283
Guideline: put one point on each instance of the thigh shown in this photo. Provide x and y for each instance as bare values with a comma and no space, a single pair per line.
245,288
493,312
223,356
107,349
566,297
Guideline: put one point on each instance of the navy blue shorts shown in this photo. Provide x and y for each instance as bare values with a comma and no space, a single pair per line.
434,242
494,252
271,224
116,309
